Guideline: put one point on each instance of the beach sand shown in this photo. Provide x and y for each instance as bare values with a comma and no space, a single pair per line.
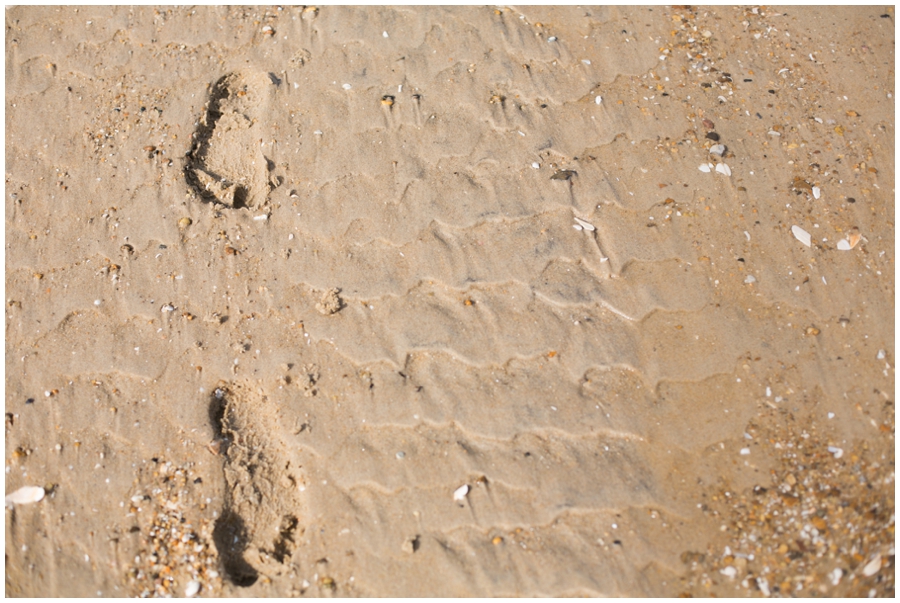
462,301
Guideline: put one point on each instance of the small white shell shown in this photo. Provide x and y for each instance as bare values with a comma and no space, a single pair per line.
585,225
192,588
817,192
461,492
801,235
844,245
723,169
705,167
598,99
717,149
25,495
872,566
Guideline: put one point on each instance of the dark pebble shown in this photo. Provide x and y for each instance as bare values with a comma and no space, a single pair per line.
712,136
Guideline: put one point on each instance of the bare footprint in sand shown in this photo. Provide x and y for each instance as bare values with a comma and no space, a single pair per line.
259,525
227,165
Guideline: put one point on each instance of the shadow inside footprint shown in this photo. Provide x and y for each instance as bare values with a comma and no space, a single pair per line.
230,537
225,166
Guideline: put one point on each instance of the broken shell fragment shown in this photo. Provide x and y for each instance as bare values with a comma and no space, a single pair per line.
717,149
872,566
723,169
817,192
706,167
853,238
801,235
25,495
461,492
585,225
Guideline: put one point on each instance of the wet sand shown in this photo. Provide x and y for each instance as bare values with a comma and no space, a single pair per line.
450,301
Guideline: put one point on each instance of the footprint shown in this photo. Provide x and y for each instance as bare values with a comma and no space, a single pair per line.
226,164
259,526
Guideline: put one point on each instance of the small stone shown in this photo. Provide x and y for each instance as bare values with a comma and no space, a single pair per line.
410,545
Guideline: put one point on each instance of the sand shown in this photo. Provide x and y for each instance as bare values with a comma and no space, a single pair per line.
450,301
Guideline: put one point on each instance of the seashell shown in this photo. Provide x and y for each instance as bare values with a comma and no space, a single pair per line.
461,492
192,588
801,235
723,169
25,495
853,238
585,225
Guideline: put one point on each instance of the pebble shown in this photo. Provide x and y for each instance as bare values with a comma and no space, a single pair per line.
717,149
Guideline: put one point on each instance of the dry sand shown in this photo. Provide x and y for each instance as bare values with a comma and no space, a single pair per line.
427,301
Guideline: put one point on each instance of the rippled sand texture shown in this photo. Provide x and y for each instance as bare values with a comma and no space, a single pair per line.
330,241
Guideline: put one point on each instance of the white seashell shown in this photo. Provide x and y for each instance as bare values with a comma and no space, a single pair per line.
25,495
704,167
585,225
836,576
598,99
801,235
461,492
750,279
261,218
576,226
723,169
192,588
717,149
844,245
872,566
817,192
